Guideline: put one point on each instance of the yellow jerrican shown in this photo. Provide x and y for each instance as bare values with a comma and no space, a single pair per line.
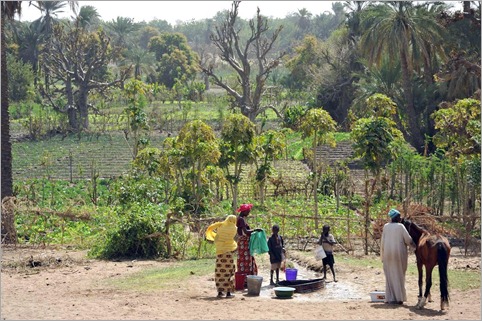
222,233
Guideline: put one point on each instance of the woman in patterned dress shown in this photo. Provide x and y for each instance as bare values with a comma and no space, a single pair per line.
223,233
245,263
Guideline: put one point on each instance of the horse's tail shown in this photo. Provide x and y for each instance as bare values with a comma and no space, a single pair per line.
443,259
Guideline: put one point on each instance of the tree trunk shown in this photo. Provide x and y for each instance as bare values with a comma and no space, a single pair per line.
83,108
207,83
315,188
367,213
8,218
7,189
415,137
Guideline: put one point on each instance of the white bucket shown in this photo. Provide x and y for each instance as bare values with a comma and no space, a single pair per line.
377,296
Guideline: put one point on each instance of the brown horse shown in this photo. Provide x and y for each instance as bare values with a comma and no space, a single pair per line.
431,250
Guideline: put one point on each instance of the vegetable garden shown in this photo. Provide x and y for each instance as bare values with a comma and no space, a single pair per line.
87,192
131,161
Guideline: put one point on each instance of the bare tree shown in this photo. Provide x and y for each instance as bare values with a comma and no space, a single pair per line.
241,57
78,61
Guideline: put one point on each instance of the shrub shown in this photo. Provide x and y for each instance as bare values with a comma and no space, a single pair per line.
136,234
292,117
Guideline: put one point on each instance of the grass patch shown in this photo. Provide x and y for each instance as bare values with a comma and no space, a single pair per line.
165,277
458,279
463,280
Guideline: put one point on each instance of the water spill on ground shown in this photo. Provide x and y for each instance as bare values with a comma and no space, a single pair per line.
341,290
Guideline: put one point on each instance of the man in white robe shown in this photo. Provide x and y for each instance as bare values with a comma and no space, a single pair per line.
394,254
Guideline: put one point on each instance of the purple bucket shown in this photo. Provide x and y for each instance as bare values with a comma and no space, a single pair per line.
291,274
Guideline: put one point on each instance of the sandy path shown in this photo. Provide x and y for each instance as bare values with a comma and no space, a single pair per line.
79,289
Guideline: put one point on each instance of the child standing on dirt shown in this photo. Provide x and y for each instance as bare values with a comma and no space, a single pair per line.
276,253
327,241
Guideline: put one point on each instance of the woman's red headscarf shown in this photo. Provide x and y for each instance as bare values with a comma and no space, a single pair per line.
244,207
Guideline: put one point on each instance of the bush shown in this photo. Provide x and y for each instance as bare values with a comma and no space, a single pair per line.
137,234
292,117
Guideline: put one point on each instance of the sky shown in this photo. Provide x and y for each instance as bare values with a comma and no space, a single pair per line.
174,11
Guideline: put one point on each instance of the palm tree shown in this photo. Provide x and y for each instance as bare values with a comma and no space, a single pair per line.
45,24
142,60
88,17
383,79
121,28
304,19
397,29
9,9
29,40
50,10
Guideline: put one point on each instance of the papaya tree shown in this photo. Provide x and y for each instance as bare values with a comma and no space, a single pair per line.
320,127
459,129
135,91
199,148
237,147
373,137
270,145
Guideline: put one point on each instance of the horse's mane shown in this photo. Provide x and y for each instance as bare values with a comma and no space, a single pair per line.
418,227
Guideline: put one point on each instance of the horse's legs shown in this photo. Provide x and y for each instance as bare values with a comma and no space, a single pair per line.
428,282
420,281
428,285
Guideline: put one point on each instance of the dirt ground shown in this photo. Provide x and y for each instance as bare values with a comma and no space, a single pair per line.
68,286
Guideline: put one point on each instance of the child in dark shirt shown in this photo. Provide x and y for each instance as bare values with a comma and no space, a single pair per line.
276,252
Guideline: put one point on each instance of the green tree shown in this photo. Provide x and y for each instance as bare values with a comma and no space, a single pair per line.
460,77
270,145
304,63
21,78
458,128
304,19
237,149
88,17
176,61
161,25
46,23
121,28
49,18
373,137
8,10
135,92
145,35
383,79
458,133
30,45
141,60
398,29
199,148
319,126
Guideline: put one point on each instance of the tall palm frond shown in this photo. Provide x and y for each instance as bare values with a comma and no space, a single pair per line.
121,27
405,32
30,41
11,8
88,16
384,79
50,11
142,60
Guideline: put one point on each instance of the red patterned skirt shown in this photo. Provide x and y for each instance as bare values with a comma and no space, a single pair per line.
245,263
